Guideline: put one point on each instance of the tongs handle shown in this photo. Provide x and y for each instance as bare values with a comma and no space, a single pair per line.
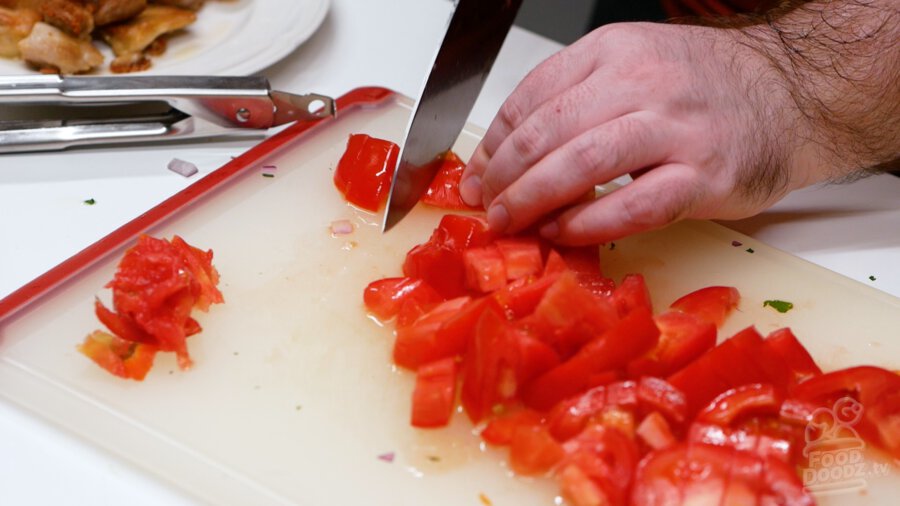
58,89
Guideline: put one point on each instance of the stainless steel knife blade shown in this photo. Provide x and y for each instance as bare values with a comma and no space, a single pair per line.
474,37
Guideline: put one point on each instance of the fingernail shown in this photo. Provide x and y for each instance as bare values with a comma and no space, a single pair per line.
498,217
470,191
550,230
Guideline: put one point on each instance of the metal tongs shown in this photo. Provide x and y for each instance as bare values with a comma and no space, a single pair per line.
50,112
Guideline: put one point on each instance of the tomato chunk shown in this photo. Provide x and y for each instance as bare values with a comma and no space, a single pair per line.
533,451
499,431
434,394
628,338
713,303
485,269
521,256
730,405
125,359
443,191
632,292
385,297
363,174
784,344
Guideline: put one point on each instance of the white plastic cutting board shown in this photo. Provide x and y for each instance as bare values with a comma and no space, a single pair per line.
293,397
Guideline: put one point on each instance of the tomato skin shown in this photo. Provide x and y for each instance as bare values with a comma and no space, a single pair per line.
607,456
629,337
718,475
683,337
434,394
783,343
632,292
442,332
877,391
489,376
443,191
463,232
520,298
657,395
440,266
732,404
713,303
363,174
385,297
122,358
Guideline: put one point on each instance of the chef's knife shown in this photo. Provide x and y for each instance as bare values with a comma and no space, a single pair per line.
473,39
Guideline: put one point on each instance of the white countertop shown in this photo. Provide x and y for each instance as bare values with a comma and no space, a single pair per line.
852,229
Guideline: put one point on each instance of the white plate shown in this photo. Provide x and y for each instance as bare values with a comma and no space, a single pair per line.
230,37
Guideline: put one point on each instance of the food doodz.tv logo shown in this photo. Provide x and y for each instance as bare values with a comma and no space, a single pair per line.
835,451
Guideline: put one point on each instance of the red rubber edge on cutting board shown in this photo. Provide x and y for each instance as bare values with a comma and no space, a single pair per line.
35,289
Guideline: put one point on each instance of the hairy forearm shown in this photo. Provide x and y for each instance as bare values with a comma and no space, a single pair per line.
839,62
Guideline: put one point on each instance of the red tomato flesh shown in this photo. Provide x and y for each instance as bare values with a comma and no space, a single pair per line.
434,394
363,174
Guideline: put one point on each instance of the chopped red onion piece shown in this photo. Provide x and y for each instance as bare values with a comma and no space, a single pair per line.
186,169
341,227
387,457
736,243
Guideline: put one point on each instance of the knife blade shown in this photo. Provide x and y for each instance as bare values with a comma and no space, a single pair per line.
465,57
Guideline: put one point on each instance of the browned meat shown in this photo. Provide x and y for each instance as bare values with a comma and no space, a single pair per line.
135,35
48,46
181,4
15,25
113,11
69,16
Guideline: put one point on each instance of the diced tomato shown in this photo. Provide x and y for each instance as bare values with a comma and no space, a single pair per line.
735,403
434,394
712,304
156,286
385,297
746,440
533,451
485,269
718,475
578,489
655,432
463,232
799,362
569,315
125,359
735,362
876,408
682,338
438,265
657,395
501,358
122,325
499,431
521,297
632,292
489,374
570,416
443,191
629,337
607,457
521,256
363,174
442,332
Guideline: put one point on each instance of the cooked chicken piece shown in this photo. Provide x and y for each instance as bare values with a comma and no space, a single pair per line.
181,4
48,46
135,35
113,11
15,25
69,16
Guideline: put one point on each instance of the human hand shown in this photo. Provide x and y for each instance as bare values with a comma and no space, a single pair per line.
700,121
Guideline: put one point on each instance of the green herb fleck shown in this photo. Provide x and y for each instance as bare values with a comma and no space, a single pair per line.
871,278
779,305
434,458
266,174
750,250
90,202
298,407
